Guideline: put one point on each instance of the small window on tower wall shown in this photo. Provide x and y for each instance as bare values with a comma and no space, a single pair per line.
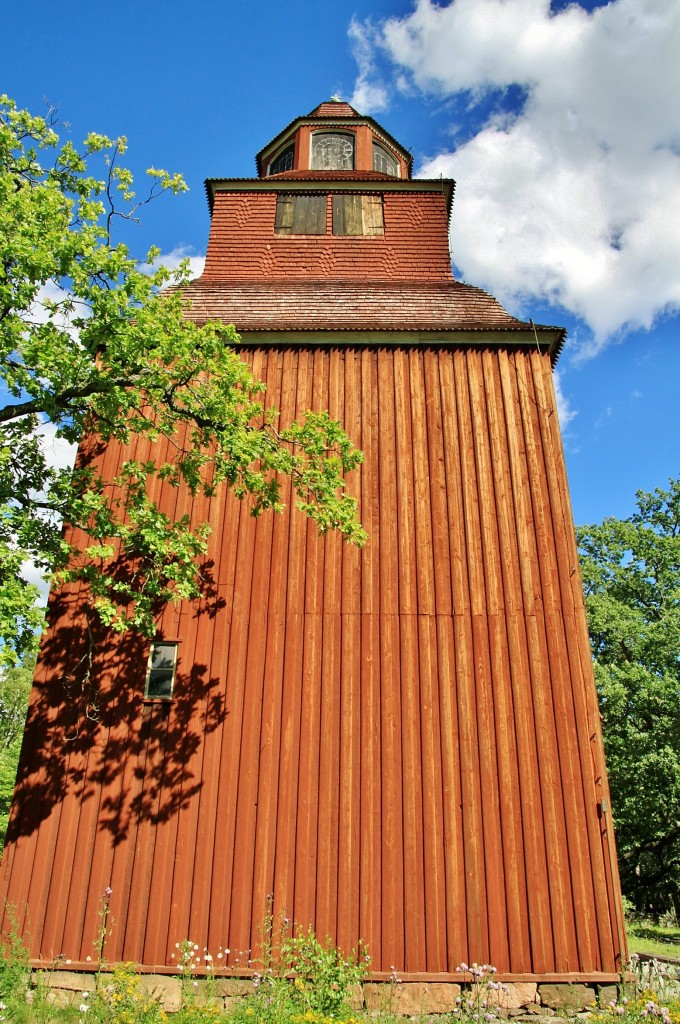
300,215
284,161
358,215
160,673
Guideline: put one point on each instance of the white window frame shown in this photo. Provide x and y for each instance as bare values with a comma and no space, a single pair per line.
150,669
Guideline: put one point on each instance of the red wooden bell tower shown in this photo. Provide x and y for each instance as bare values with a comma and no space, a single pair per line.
401,744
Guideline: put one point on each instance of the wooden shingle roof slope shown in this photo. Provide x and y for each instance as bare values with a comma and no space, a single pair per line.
434,310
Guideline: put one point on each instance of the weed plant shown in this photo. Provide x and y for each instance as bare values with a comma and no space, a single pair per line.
298,980
647,997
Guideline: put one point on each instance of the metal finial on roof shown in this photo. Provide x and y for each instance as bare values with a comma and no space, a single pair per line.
336,98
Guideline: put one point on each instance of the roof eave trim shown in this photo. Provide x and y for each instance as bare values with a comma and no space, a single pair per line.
544,339
445,185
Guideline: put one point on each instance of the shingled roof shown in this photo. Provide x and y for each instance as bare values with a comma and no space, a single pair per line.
334,108
374,306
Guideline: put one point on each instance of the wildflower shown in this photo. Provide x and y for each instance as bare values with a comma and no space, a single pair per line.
108,891
83,1008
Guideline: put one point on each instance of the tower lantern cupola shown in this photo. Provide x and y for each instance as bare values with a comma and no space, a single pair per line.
334,137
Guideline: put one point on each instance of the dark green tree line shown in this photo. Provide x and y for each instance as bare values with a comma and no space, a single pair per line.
631,575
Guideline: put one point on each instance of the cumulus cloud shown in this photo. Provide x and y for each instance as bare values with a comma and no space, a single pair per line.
565,411
370,95
172,260
572,196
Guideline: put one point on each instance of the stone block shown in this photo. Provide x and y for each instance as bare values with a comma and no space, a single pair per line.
607,994
519,994
411,998
165,988
567,997
71,981
236,987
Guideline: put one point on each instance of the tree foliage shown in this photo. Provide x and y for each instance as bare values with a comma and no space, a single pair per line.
90,345
631,573
15,687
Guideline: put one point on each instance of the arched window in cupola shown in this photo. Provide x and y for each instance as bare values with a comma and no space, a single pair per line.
384,161
332,151
283,161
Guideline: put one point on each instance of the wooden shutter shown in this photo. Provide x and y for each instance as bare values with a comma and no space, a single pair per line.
310,215
300,215
283,224
373,215
357,215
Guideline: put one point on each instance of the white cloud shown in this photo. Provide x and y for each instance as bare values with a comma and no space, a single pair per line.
565,412
574,199
369,95
172,260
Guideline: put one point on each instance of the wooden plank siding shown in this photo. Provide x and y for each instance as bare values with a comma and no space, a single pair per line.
399,745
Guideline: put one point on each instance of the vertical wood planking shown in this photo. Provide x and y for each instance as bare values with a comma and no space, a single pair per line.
370,794
489,738
413,867
286,823
391,862
520,657
400,744
501,565
310,727
350,713
329,782
544,685
432,824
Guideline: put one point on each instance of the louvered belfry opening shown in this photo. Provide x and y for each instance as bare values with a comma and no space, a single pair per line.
399,745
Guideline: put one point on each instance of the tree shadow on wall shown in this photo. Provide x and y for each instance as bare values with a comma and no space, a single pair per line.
94,745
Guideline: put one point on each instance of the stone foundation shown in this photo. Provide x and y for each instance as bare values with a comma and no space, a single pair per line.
524,1001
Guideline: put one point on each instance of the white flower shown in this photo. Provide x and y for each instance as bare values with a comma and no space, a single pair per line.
83,1007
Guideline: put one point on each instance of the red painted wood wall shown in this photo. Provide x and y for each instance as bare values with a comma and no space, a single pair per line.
401,744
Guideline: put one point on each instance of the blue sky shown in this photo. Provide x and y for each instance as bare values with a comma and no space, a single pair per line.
560,125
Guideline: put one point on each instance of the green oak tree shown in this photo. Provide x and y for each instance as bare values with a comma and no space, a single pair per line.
631,574
92,346
15,686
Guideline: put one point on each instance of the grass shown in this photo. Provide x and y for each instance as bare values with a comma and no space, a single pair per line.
654,940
